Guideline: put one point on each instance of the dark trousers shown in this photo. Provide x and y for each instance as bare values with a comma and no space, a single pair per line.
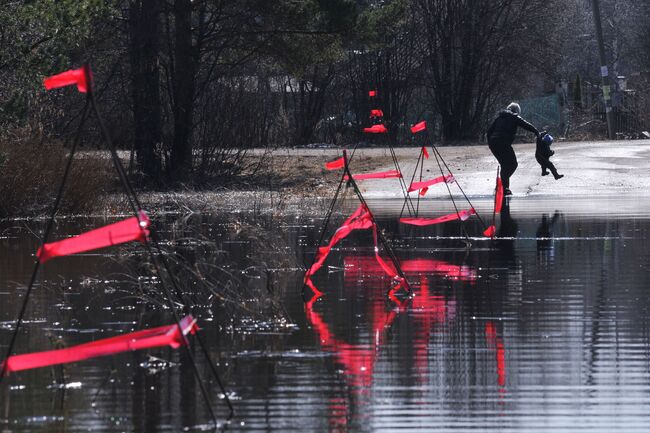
505,154
546,164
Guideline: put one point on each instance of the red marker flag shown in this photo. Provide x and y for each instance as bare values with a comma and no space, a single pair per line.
462,215
372,93
336,164
360,219
378,175
419,127
131,229
68,78
490,231
376,129
427,183
376,113
170,336
425,152
498,197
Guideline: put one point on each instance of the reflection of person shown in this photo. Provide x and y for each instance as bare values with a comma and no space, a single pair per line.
543,154
500,136
544,232
506,235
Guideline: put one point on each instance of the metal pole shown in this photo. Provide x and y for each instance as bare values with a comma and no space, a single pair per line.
604,72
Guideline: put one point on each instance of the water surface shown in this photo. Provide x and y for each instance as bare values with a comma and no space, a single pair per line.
544,329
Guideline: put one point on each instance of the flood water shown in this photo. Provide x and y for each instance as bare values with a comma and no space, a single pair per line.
546,328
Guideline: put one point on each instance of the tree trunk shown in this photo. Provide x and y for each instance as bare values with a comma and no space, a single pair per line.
144,32
184,83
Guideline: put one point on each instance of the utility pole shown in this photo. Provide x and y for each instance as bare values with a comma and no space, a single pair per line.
604,73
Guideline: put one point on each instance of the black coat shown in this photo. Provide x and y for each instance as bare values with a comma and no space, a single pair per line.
504,128
543,149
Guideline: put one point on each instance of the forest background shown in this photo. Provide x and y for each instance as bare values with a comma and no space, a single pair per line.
189,87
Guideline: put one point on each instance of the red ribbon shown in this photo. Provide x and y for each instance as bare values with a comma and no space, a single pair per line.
372,93
68,78
131,229
360,219
169,335
378,175
490,231
376,113
424,184
462,215
336,164
419,127
425,152
376,129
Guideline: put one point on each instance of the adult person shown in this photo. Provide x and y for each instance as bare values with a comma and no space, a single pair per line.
500,136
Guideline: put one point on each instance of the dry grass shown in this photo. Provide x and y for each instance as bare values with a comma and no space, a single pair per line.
31,171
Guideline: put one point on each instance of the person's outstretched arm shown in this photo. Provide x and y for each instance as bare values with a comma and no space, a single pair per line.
526,125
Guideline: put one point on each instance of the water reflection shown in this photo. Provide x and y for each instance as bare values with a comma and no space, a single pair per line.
494,339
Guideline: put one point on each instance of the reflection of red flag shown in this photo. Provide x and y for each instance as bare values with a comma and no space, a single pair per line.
490,231
67,78
425,152
377,175
419,127
336,164
463,215
372,93
498,198
376,129
131,229
427,183
170,336
376,113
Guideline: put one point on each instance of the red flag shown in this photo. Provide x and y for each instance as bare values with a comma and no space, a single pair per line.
378,175
376,129
336,164
376,113
419,127
372,93
462,215
170,336
427,183
131,229
424,190
360,219
490,231
389,270
425,152
67,78
498,197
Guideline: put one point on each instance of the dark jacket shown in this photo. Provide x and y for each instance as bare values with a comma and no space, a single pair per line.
543,149
504,128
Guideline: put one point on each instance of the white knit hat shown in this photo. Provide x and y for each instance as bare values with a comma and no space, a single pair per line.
514,107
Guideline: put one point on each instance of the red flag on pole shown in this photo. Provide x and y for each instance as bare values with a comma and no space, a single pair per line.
131,229
376,113
498,197
68,78
427,183
462,215
170,336
378,175
336,164
425,152
376,129
419,127
490,231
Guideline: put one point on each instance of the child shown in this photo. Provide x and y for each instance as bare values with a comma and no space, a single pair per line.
542,154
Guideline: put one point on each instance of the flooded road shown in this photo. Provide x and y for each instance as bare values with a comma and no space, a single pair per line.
546,328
